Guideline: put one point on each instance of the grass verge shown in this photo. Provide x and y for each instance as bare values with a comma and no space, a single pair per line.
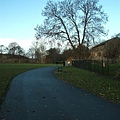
9,71
92,82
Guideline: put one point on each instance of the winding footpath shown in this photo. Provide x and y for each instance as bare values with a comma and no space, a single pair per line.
39,95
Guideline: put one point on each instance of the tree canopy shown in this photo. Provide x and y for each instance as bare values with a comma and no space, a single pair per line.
15,49
79,22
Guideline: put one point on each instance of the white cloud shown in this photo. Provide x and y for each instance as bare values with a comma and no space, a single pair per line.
24,43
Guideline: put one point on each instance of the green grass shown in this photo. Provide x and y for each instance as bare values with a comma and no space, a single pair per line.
106,88
113,68
9,71
109,69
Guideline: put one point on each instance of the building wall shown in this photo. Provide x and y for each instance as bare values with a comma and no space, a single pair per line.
97,52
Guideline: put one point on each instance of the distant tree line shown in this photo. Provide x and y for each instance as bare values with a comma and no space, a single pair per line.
13,48
39,53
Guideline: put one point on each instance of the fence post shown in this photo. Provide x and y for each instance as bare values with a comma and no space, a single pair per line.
102,67
108,66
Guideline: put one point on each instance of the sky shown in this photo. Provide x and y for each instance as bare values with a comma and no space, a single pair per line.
18,18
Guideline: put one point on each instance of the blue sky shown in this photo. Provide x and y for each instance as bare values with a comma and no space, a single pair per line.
112,8
18,18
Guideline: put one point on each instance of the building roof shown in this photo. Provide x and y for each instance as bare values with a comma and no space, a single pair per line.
103,43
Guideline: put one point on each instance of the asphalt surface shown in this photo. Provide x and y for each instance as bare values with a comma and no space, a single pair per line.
39,95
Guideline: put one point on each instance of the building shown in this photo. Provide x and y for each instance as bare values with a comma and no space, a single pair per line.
109,49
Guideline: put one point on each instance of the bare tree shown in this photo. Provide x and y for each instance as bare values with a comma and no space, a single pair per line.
31,53
15,49
20,51
76,21
37,51
52,55
12,48
2,49
40,52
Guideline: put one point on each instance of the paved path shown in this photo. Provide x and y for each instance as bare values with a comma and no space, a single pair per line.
39,95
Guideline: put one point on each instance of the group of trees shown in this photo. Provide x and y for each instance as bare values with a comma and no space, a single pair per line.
38,52
12,53
13,48
77,23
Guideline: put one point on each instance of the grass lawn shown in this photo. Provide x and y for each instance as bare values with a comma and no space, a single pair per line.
8,71
107,69
92,82
113,68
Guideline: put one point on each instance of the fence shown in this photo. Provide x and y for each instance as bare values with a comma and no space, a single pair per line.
103,66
